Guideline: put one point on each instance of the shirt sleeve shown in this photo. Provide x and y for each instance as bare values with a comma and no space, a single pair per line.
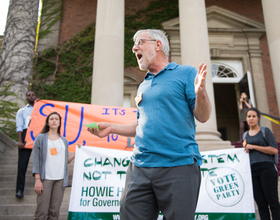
269,137
19,120
36,155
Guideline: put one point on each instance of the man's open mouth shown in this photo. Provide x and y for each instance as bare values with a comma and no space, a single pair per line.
139,56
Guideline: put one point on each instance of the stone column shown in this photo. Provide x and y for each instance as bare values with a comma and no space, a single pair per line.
271,12
194,50
258,76
108,64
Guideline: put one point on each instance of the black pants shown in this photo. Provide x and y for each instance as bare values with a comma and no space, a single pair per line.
265,187
23,160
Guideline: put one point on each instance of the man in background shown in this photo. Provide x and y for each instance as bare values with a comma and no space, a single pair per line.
22,121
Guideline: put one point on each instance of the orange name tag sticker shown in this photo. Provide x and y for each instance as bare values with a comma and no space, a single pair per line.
244,143
53,151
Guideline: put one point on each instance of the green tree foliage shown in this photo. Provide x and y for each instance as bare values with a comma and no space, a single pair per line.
8,112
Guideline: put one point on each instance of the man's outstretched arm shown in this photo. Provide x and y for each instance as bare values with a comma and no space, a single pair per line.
106,128
202,109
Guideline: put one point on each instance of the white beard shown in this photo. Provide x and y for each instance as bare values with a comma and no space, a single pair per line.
145,61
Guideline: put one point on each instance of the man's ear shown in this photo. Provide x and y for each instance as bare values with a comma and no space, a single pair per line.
158,45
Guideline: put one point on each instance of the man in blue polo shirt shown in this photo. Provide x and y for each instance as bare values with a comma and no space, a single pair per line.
165,171
22,121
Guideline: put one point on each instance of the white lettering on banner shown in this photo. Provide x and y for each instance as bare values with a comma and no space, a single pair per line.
160,217
201,217
116,217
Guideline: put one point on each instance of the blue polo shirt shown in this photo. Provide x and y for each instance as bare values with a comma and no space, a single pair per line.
165,135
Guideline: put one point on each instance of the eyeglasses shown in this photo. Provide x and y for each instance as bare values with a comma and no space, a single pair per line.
142,41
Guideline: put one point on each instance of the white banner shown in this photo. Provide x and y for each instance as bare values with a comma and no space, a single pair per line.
99,176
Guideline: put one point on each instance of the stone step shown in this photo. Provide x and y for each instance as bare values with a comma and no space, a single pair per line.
13,166
62,216
27,191
28,178
13,208
16,209
10,158
28,184
28,199
12,191
13,200
7,169
26,211
9,153
8,149
12,184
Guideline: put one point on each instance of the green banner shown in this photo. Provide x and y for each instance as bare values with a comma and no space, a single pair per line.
198,216
92,216
224,216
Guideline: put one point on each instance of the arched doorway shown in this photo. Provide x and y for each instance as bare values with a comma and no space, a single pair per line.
226,75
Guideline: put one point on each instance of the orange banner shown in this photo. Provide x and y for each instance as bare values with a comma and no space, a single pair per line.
74,115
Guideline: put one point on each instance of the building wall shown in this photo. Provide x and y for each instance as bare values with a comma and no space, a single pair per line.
253,10
270,86
78,14
249,8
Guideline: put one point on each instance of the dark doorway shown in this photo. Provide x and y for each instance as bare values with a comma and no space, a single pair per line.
227,110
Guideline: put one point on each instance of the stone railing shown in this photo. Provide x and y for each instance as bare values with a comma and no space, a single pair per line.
5,141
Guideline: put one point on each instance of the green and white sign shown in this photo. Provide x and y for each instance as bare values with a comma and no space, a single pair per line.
99,176
226,187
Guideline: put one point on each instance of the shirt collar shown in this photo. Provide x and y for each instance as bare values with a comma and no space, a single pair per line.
170,66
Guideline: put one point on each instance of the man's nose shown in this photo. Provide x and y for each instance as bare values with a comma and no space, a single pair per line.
134,48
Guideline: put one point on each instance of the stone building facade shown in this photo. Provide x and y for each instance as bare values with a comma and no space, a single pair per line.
239,36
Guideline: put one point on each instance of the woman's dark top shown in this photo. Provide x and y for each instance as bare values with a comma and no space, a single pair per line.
259,160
